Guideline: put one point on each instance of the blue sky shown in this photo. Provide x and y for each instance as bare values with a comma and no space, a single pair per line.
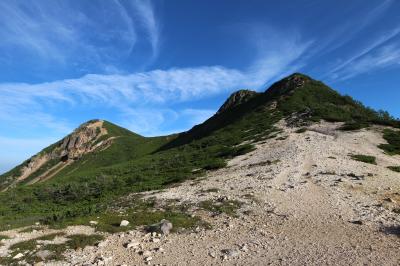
158,67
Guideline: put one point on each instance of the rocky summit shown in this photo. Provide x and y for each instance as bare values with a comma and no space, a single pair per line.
295,175
85,139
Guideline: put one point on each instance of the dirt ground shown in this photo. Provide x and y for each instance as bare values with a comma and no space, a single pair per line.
305,202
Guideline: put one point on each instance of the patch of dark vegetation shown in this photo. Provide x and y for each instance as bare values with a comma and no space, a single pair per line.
394,168
327,173
210,190
230,152
393,142
355,177
214,164
364,158
301,130
80,241
229,207
267,162
353,125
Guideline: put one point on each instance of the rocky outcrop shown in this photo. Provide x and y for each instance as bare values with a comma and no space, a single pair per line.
237,98
81,141
85,139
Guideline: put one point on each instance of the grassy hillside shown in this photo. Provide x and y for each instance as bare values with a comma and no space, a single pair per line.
90,189
325,103
135,164
314,98
125,146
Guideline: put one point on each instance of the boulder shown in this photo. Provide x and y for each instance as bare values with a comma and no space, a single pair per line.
18,256
124,223
43,254
164,227
132,244
230,253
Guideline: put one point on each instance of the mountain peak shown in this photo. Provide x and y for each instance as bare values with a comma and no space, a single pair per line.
88,137
237,98
288,84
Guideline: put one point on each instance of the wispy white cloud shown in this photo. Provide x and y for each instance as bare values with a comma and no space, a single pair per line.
145,12
134,94
160,121
277,53
83,34
384,56
368,48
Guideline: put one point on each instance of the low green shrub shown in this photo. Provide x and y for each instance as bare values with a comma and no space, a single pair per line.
214,164
393,142
228,207
394,168
350,126
3,237
301,130
81,241
364,158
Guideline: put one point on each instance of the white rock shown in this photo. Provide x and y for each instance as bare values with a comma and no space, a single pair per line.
43,254
124,223
18,256
230,252
132,244
102,244
93,222
156,240
165,227
146,253
148,258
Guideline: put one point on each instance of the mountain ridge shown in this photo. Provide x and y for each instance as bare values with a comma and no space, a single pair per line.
237,104
133,163
93,136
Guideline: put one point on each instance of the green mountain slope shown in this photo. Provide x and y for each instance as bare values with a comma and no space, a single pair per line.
296,93
94,144
133,163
